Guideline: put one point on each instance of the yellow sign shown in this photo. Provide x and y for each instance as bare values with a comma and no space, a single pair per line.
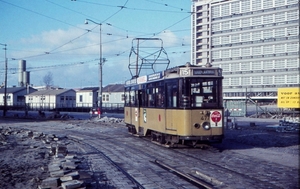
288,98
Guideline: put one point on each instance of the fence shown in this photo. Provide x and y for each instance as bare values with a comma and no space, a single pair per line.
70,107
235,108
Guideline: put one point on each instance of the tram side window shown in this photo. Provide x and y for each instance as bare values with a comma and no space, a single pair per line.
184,93
159,96
172,95
144,98
151,97
132,98
127,97
137,98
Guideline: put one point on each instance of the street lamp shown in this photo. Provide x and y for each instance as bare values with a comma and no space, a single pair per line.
5,83
100,67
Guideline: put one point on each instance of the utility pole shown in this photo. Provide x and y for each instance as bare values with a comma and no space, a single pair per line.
100,67
5,83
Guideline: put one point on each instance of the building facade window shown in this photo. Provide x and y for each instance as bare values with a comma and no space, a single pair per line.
255,42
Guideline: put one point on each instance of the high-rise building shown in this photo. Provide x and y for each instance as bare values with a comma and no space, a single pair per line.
255,42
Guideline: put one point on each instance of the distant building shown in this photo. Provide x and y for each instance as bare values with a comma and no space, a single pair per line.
112,96
15,95
87,97
51,99
113,93
255,42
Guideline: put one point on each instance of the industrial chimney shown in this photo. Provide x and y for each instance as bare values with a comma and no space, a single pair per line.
24,76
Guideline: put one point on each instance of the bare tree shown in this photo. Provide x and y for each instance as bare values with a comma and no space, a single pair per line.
48,80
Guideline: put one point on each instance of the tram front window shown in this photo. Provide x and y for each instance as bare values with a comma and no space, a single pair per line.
203,93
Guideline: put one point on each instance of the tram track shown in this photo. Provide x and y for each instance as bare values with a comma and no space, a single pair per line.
196,181
185,170
148,157
237,172
135,156
107,158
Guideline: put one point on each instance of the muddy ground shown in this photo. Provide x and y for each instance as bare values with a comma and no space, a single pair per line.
25,154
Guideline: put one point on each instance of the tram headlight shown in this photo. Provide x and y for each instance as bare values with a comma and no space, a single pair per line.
206,125
197,125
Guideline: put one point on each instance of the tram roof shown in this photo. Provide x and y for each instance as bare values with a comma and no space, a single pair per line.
177,72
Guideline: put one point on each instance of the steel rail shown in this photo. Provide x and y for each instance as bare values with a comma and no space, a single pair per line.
139,185
192,180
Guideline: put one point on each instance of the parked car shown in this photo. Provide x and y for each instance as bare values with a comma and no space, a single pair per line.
95,112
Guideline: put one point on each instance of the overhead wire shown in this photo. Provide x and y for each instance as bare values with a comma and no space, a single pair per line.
121,8
130,8
67,8
43,15
164,4
70,41
34,68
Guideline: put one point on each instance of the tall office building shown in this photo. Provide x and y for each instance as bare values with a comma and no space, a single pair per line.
255,42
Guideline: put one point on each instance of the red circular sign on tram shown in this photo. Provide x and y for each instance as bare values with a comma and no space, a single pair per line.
216,116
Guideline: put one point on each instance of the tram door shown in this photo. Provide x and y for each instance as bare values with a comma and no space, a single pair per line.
139,104
172,104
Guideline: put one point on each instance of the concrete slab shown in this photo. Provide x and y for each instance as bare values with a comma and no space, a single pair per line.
70,176
54,167
59,173
71,184
69,165
66,178
51,182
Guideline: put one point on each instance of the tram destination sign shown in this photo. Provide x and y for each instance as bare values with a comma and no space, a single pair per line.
155,76
131,82
204,72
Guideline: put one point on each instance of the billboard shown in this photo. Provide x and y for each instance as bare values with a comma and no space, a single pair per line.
288,98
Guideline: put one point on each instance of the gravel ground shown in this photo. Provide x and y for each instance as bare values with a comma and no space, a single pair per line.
25,155
23,160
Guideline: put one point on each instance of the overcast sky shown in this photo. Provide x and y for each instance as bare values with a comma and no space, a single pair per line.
52,37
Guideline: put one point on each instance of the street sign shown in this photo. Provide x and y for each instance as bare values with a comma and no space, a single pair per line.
288,98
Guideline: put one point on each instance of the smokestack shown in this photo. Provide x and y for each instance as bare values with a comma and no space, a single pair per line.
22,68
26,78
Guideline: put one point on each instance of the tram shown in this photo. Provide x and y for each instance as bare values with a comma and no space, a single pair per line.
181,105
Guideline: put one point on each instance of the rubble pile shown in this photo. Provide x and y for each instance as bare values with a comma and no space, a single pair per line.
57,115
37,160
23,158
65,170
107,120
42,116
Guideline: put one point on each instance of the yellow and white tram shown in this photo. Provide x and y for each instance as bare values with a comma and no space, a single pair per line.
181,105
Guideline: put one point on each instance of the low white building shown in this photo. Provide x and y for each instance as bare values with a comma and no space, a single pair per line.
87,97
113,96
51,99
15,95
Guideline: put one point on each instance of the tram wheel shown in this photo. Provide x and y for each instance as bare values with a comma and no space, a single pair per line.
153,137
131,129
161,139
194,143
